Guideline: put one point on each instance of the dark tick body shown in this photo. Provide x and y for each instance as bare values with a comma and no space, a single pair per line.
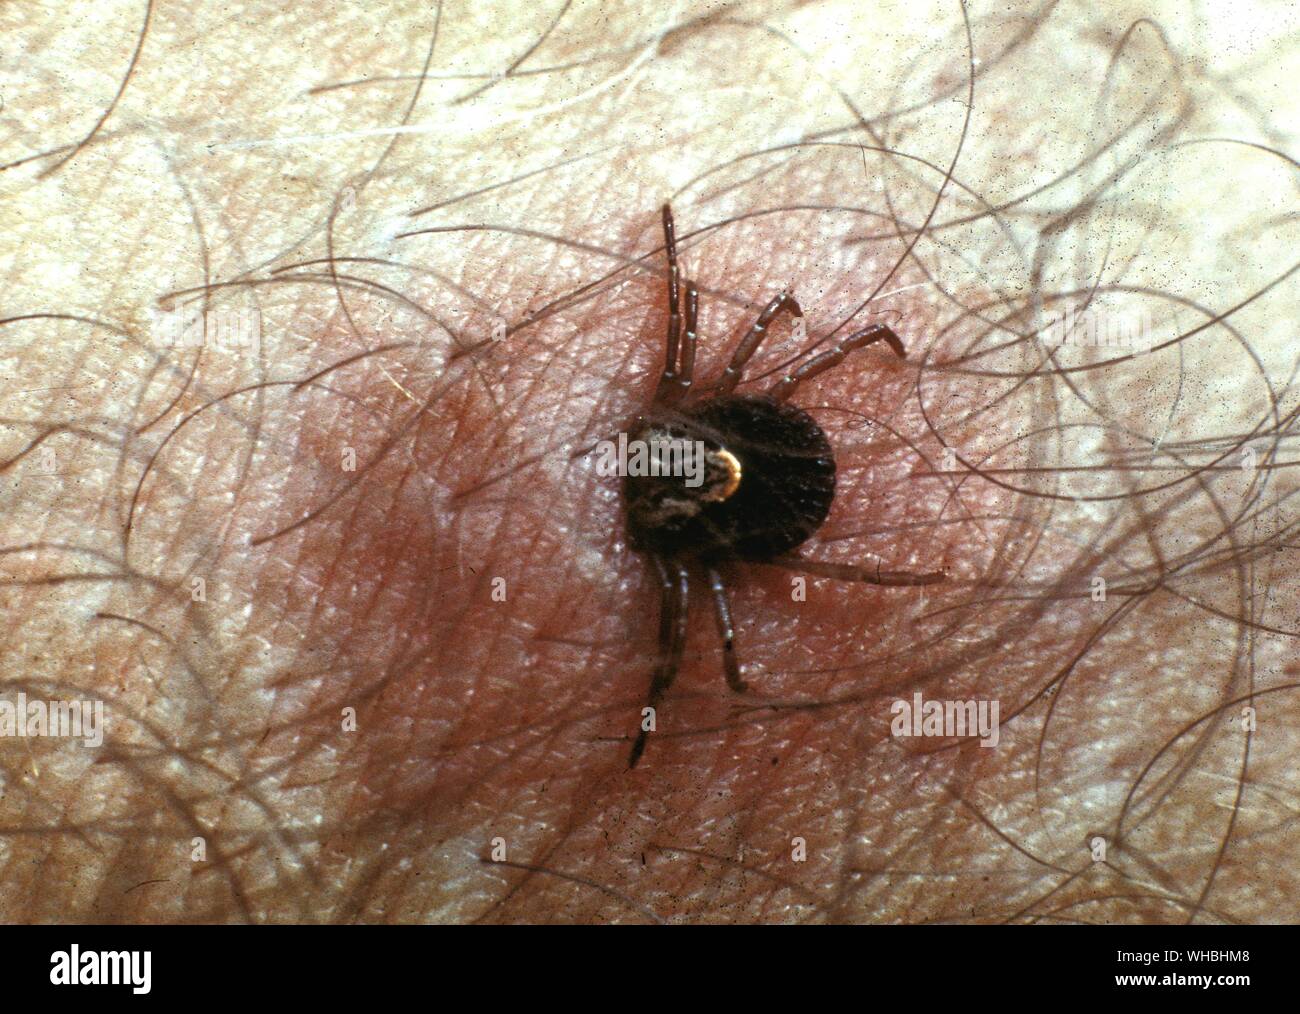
765,486
768,484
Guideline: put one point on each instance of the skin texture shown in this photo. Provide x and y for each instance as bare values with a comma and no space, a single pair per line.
360,607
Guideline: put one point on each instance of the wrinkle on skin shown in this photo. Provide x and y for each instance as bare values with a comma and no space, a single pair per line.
267,586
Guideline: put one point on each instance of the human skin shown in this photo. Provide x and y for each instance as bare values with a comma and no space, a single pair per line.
359,606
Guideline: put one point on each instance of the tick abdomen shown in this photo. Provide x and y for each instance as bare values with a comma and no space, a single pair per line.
766,486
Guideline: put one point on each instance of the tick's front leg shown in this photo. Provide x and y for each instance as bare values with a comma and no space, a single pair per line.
673,602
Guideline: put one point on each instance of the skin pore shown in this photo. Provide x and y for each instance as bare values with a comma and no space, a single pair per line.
360,607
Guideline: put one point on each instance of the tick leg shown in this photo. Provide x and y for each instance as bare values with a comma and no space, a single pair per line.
669,376
749,344
675,595
687,371
855,572
678,385
784,387
722,607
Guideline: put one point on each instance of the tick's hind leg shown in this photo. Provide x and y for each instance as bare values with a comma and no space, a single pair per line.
679,355
674,598
668,378
749,344
785,387
686,370
856,572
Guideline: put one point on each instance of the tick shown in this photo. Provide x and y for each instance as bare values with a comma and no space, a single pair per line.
765,486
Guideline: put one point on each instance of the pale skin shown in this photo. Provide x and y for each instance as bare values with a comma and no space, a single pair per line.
388,675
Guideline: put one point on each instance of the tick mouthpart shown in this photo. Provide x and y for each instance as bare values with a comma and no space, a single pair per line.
729,481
